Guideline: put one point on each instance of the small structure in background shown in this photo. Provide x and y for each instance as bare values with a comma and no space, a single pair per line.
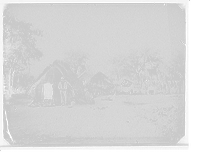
100,85
85,78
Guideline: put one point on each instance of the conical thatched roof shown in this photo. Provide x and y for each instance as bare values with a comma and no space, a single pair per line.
100,78
70,77
99,83
39,79
99,75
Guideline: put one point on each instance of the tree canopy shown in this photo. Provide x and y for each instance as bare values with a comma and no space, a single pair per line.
19,42
77,62
149,63
19,48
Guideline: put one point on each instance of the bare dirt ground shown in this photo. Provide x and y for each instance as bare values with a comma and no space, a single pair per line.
154,119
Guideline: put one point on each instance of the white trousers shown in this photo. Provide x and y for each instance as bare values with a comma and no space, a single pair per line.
63,96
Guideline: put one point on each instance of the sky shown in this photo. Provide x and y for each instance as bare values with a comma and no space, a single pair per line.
103,31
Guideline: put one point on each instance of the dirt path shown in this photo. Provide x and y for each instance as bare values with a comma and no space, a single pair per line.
126,119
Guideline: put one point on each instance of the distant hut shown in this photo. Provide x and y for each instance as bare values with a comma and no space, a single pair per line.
100,84
53,74
85,77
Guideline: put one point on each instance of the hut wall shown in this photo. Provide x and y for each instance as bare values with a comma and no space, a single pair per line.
39,97
52,76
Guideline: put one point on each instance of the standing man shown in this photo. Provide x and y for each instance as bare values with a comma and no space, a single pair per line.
62,86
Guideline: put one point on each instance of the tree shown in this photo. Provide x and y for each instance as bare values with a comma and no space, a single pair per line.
22,82
121,67
15,71
137,64
19,47
179,65
180,71
77,63
148,65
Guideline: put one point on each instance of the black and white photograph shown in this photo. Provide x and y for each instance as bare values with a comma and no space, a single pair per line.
94,74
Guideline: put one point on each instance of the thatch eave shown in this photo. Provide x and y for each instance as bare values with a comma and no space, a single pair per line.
37,80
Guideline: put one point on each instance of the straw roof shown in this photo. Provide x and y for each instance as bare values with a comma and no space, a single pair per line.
70,77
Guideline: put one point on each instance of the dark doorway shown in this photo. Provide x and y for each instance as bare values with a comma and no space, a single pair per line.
48,91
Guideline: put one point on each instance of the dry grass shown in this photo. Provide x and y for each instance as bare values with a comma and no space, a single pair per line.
124,117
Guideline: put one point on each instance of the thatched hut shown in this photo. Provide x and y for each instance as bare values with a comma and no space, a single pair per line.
86,77
100,84
46,85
